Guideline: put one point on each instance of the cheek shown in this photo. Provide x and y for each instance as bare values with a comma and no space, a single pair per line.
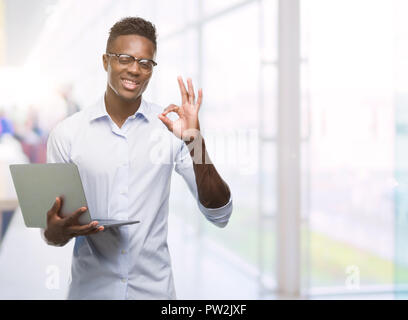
109,72
113,77
113,81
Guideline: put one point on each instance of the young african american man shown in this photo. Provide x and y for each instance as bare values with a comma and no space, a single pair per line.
114,144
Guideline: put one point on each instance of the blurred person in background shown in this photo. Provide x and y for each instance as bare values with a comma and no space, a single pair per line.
30,136
36,121
6,126
65,90
11,152
112,143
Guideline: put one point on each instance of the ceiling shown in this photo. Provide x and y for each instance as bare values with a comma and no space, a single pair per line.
23,21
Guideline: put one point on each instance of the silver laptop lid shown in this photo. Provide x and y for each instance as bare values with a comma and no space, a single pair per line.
37,186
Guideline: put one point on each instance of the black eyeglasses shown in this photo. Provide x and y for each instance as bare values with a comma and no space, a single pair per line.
146,65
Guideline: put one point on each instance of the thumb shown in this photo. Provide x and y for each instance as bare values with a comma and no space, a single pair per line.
56,207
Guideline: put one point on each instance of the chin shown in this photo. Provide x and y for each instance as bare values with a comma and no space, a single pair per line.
125,95
128,96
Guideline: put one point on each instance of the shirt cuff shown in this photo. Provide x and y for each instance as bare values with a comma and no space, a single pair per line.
218,216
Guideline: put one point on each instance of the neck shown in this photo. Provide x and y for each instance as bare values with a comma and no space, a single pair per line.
118,108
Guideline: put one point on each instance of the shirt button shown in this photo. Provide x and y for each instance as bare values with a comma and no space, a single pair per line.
124,280
123,251
123,191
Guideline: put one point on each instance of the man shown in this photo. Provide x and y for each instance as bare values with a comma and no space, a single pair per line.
114,144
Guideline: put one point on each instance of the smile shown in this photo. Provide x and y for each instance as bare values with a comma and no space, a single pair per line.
130,84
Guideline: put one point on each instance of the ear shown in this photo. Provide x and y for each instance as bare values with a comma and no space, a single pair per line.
105,62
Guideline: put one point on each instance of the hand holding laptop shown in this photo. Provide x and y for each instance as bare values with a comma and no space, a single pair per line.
39,185
60,229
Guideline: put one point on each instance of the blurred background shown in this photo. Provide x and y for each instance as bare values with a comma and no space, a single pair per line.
305,116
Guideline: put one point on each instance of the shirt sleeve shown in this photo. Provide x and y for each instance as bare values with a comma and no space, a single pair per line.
58,146
57,152
184,167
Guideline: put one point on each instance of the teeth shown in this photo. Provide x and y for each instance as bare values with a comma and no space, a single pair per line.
130,81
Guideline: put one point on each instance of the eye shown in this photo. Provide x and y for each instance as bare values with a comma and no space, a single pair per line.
146,64
125,59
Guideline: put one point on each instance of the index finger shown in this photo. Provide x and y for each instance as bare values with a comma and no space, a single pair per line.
73,217
87,229
183,91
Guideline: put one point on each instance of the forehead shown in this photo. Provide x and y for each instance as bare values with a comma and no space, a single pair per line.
134,45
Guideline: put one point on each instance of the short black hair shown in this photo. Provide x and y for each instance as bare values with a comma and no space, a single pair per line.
132,25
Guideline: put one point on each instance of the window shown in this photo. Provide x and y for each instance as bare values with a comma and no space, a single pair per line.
349,104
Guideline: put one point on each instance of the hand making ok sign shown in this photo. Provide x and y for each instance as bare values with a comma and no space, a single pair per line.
187,125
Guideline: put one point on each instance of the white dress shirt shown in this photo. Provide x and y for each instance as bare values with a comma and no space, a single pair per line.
126,174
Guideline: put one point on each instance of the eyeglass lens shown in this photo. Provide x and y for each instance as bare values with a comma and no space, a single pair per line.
145,64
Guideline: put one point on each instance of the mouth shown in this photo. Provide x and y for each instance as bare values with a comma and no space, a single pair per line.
130,84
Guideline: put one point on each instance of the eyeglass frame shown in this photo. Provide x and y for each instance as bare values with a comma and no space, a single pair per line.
117,55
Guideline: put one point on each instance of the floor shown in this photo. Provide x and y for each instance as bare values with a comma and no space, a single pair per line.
30,269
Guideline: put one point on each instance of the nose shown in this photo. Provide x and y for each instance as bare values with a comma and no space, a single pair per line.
134,68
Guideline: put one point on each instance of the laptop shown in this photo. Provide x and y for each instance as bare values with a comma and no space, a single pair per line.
37,186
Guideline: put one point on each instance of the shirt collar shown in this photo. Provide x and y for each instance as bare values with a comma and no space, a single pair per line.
99,110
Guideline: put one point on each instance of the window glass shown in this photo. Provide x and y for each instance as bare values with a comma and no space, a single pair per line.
348,94
171,16
214,6
232,81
